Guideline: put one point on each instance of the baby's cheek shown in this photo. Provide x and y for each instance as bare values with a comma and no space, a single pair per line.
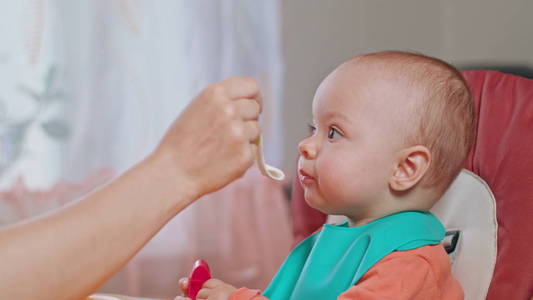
334,181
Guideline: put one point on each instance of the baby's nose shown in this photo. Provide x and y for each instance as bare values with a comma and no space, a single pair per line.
307,148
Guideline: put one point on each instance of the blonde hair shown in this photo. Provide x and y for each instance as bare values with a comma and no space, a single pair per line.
444,117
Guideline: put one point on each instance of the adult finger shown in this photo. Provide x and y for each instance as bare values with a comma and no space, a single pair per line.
252,131
255,151
243,87
259,100
247,110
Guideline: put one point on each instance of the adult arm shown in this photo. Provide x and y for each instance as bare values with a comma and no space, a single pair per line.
69,253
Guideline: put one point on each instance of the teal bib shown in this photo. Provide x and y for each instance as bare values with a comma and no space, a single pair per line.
329,262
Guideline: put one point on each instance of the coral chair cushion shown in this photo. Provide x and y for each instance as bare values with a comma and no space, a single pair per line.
503,157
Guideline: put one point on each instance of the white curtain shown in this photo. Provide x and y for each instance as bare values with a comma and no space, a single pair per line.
129,67
136,64
24,65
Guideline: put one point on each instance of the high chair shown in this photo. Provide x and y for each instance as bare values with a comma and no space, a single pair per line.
488,210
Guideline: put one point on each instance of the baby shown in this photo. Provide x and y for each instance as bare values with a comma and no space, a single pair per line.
391,131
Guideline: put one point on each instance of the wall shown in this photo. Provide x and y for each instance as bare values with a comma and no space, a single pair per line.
318,35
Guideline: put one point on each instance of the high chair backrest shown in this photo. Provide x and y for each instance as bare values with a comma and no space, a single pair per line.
503,157
468,209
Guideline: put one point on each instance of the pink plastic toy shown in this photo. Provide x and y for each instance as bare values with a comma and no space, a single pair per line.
200,274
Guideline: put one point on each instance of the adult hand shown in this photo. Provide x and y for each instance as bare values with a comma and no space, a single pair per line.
70,252
212,141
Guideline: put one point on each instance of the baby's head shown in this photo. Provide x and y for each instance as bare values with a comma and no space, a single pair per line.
391,132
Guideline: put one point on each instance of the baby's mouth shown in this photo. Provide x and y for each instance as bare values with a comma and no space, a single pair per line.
304,177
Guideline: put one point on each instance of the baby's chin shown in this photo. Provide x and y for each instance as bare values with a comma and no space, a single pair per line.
312,201
320,205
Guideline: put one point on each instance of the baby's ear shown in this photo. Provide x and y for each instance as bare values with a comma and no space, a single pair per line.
412,164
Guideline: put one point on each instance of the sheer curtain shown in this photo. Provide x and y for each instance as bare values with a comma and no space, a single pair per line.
31,128
136,64
128,68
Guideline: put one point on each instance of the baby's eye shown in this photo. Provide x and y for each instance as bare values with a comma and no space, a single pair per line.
333,133
312,129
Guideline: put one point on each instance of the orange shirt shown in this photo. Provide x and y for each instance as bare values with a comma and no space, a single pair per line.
422,273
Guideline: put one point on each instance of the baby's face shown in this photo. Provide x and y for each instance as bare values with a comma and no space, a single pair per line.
345,165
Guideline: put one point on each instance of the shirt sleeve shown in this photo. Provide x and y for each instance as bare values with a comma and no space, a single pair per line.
398,278
247,294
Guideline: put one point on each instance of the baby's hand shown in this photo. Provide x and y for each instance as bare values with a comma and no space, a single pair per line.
213,289
184,287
